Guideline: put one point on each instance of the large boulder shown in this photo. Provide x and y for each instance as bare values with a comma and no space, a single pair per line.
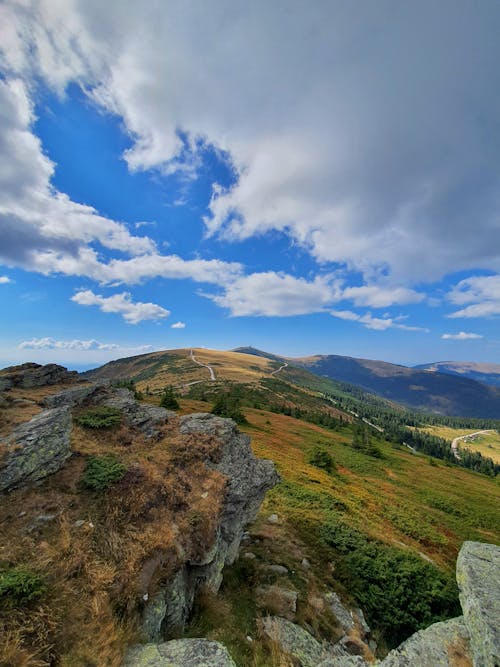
248,479
146,418
444,644
36,449
296,641
31,375
179,653
478,577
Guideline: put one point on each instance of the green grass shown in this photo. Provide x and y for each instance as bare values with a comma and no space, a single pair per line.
99,417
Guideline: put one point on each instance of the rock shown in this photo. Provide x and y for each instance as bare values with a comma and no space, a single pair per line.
46,518
153,617
294,640
343,615
179,653
344,661
147,418
79,523
478,577
352,645
36,449
305,564
248,480
276,569
31,375
277,600
273,518
249,555
440,645
361,622
72,396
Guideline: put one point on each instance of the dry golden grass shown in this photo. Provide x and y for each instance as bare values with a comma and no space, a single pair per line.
487,444
163,512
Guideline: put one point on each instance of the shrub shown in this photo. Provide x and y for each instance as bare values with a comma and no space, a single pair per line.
399,592
102,471
19,585
168,399
228,406
101,416
320,458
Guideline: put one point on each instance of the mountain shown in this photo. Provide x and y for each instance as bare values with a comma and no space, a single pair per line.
421,389
486,373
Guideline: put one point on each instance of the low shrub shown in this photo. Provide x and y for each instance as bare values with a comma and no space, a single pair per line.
168,399
102,471
19,585
399,592
320,458
101,416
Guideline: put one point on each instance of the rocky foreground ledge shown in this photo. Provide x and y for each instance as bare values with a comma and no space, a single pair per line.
471,640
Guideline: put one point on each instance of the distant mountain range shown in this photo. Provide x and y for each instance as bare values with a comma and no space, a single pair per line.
424,389
420,388
487,373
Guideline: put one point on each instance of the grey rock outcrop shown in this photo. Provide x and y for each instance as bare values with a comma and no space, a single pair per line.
440,645
478,577
248,480
31,375
36,448
146,418
294,640
73,396
179,653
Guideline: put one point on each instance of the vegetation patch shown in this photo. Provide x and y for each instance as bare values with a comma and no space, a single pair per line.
399,592
19,585
99,417
102,471
168,399
320,458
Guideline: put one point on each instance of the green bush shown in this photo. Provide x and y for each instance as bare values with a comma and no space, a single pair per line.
228,406
168,399
19,585
399,592
101,416
102,471
320,458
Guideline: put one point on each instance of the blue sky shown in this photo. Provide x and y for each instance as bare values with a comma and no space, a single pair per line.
174,176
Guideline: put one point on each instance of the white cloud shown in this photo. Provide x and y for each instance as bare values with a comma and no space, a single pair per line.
132,312
52,344
461,336
349,147
178,325
276,294
377,323
381,297
482,293
4,280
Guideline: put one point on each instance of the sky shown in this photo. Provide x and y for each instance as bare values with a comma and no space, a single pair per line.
305,178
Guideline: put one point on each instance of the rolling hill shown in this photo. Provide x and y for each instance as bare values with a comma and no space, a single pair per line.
420,389
486,373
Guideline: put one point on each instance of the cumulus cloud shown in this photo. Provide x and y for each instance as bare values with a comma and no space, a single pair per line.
178,325
4,280
377,323
461,336
479,294
355,152
53,344
277,294
43,230
132,312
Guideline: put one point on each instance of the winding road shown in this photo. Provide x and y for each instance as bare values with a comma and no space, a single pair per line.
279,369
454,444
210,369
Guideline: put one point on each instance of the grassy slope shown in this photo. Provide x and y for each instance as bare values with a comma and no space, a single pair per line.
401,499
